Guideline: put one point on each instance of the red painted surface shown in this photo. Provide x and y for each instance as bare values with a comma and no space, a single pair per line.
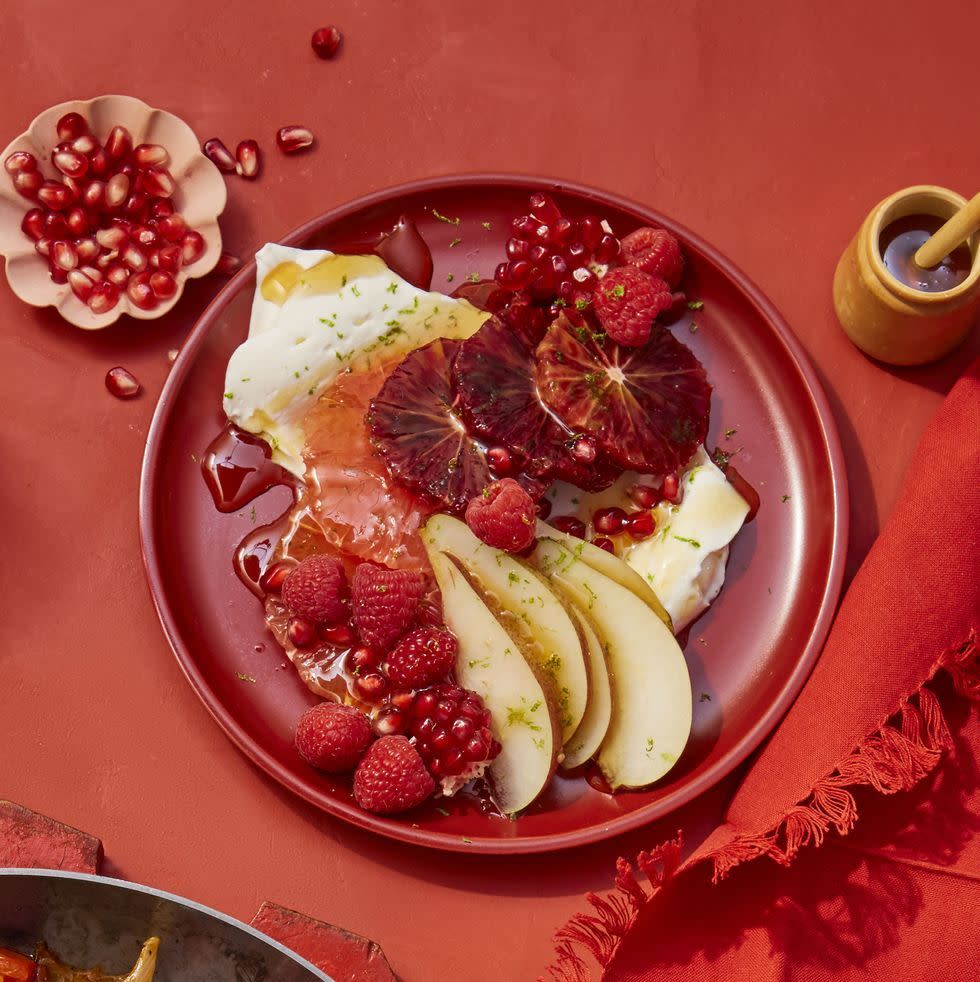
770,130
32,841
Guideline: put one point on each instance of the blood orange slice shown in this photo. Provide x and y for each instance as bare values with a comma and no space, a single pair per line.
646,407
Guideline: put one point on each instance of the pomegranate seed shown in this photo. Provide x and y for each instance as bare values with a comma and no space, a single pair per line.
55,195
140,292
77,221
609,521
71,126
591,231
641,525
326,41
93,195
570,525
228,264
32,224
608,249
362,659
524,226
87,248
117,274
136,205
172,357
219,155
247,154
292,139
500,461
116,191
118,143
477,748
163,285
300,631
192,247
129,169
585,279
644,495
402,700
92,273
122,383
389,722
518,248
371,687
584,450
145,236
671,488
603,543
543,508
340,634
150,155
462,729
274,577
81,285
577,255
134,257
20,161
563,231
98,163
104,297
544,209
538,254
43,246
85,144
113,238
117,221
64,256
161,208
28,183
158,182
172,227
57,274
72,163
170,259
442,738
425,705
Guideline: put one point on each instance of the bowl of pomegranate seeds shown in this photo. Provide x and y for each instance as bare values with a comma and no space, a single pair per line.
108,207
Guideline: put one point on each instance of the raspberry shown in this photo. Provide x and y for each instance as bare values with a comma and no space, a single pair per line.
451,727
391,777
315,589
655,251
422,657
333,737
627,301
384,603
503,516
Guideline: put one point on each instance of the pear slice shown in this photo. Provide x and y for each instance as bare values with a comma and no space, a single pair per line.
490,663
595,723
609,565
528,607
651,688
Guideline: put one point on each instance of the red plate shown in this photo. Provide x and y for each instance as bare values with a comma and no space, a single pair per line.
749,655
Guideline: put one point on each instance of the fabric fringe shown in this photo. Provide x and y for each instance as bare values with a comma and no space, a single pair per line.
895,757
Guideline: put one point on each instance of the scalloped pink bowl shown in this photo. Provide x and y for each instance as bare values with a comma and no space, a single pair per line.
200,197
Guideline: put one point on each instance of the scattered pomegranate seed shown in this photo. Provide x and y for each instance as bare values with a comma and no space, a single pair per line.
219,155
644,495
163,284
122,383
28,183
95,275
361,659
81,285
119,143
71,126
85,144
390,722
326,41
77,221
607,249
641,525
134,257
117,274
64,256
228,264
339,634
603,543
671,488
140,292
584,450
136,205
150,155
169,258
93,195
111,238
32,225
116,191
72,163
43,246
274,577
172,227
87,249
20,161
192,248
161,208
104,297
570,524
248,159
500,461
54,194
98,163
609,521
292,139
301,632
144,236
544,209
371,687
159,182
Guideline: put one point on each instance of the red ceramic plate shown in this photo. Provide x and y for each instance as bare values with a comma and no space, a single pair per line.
749,655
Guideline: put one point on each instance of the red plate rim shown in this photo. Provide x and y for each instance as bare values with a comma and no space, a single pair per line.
150,486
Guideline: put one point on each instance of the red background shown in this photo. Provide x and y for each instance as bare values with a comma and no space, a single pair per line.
770,129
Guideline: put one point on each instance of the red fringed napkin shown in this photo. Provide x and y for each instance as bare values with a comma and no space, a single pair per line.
899,899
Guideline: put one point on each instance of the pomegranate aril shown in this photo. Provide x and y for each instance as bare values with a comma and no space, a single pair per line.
247,156
577,254
326,41
462,729
117,274
301,632
163,285
607,249
99,163
402,700
584,450
118,143
425,705
145,236
500,461
192,248
134,257
570,525
543,508
20,162
104,297
55,195
161,207
274,577
371,687
219,155
544,209
150,155
172,227
524,227
337,633
671,488
116,191
609,521
641,525
140,292
71,163
81,285
292,139
158,182
228,264
136,205
442,739
71,126
93,196
538,254
590,231
28,183
43,246
644,495
77,221
85,144
603,543
95,275
558,266
518,248
389,722
585,280
169,258
32,224
363,660
562,231
87,248
477,748
64,255
112,238
57,274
